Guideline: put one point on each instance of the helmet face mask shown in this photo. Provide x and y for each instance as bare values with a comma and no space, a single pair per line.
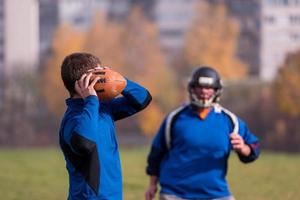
205,77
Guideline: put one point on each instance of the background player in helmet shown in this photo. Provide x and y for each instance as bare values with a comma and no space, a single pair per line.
189,154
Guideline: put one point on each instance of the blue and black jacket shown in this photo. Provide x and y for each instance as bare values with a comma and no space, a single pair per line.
89,144
192,162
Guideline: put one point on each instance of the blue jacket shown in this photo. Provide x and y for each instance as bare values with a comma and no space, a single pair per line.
195,165
89,144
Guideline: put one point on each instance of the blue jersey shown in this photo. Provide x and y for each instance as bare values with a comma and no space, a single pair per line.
89,144
195,164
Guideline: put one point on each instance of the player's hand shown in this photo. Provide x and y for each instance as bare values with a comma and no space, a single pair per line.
150,193
98,67
83,86
238,144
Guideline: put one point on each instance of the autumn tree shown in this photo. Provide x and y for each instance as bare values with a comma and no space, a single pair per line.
66,40
131,48
286,85
212,40
145,63
103,39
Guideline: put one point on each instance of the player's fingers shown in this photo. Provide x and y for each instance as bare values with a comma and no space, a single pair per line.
91,70
82,77
81,80
152,195
87,80
237,147
98,67
92,84
237,144
236,141
234,135
149,196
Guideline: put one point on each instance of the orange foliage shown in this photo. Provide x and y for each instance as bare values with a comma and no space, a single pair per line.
286,85
151,119
104,40
131,49
145,63
66,41
212,41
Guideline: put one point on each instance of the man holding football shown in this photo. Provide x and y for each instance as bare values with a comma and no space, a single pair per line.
189,154
87,131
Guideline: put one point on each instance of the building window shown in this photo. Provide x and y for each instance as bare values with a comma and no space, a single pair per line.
269,19
270,2
282,2
172,33
295,19
294,2
295,36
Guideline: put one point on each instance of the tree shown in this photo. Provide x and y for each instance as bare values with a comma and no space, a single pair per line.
212,40
24,120
286,85
103,39
131,49
66,40
145,63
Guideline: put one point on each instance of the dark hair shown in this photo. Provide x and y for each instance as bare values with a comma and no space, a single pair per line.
74,66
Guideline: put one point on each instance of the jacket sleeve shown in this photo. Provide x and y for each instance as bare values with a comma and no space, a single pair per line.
157,152
81,138
251,140
135,98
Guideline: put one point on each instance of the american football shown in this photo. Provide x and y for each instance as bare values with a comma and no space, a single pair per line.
110,84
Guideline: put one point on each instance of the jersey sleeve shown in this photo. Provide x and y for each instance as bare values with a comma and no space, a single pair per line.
82,128
251,140
134,99
157,152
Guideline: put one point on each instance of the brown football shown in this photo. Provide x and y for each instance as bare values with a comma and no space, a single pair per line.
110,84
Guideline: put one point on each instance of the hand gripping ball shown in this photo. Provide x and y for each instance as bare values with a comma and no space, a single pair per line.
110,84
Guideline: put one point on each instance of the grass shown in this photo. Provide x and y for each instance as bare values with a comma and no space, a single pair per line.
35,174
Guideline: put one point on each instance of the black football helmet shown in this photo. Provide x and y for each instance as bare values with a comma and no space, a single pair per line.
204,76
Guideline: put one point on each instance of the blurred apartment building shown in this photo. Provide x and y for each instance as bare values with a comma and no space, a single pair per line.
1,38
173,18
78,13
19,35
248,15
280,34
1,48
48,21
269,28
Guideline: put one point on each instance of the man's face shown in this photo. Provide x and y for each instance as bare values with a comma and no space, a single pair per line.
203,92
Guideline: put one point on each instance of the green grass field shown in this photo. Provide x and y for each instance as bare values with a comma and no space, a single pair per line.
37,174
